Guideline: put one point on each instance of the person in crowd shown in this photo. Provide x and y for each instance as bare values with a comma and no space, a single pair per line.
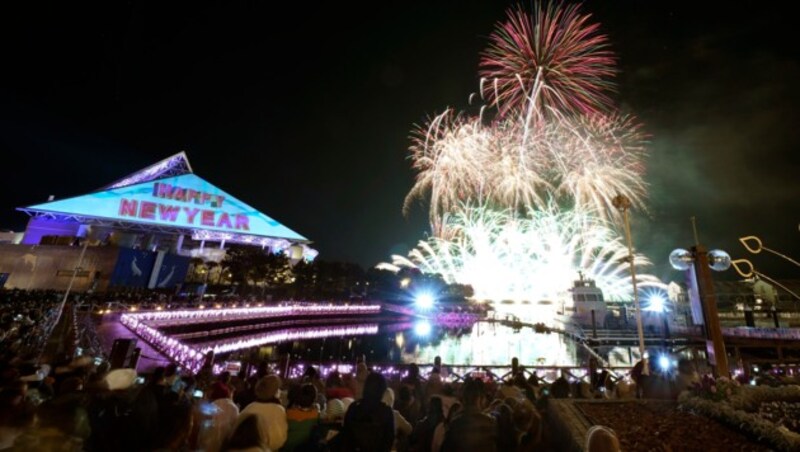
528,426
560,387
439,432
601,439
361,377
335,387
472,430
221,416
311,375
303,419
687,375
369,423
414,382
506,432
269,411
402,428
408,405
248,436
422,435
176,426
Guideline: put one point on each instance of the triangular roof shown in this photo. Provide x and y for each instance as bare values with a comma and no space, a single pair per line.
173,165
169,196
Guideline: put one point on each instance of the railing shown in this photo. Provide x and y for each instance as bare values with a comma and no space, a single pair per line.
789,334
450,373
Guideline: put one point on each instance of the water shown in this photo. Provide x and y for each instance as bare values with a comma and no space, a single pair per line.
482,344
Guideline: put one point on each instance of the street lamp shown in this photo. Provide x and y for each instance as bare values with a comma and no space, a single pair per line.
696,263
623,204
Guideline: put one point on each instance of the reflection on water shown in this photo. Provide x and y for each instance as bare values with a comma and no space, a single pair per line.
482,343
494,344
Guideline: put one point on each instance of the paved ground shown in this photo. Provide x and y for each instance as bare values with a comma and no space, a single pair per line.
109,329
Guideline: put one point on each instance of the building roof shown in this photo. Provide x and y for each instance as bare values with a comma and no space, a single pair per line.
168,197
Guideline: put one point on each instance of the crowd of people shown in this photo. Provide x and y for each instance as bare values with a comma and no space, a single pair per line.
81,404
26,318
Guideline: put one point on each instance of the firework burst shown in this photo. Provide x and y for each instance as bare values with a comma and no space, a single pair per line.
555,58
582,162
521,204
536,257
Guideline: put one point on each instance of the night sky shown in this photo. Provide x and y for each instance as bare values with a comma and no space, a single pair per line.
304,110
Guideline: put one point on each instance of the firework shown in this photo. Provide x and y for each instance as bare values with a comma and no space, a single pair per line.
555,59
536,257
581,162
521,204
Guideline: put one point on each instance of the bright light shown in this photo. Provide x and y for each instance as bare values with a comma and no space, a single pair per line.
656,302
504,256
424,301
405,282
422,328
520,204
664,363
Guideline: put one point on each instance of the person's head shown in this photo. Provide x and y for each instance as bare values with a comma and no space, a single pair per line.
158,376
335,409
435,409
310,372
334,379
413,371
225,377
601,439
248,434
405,395
267,388
171,370
374,387
219,391
437,361
307,395
474,394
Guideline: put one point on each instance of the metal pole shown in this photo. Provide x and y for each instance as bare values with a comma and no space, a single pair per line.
645,369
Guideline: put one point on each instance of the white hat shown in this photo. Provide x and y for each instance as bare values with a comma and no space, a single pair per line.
120,379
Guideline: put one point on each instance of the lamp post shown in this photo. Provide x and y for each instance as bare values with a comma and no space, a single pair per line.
697,265
623,204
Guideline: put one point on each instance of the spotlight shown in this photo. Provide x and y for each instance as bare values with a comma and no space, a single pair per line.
422,328
664,363
425,301
656,303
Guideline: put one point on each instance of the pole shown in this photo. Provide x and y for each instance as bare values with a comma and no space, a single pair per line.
59,342
72,280
640,329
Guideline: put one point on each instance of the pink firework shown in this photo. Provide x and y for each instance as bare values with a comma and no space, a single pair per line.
555,57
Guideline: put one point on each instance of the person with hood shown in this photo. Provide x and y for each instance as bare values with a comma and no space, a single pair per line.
271,414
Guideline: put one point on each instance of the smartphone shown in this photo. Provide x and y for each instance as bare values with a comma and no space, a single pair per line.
140,380
198,394
98,361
